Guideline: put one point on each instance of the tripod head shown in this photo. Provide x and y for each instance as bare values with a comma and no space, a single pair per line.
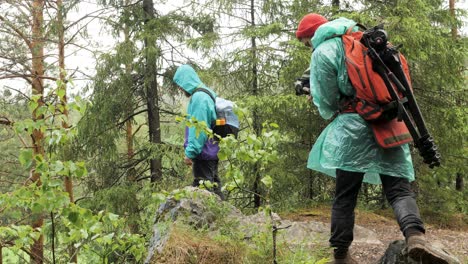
376,38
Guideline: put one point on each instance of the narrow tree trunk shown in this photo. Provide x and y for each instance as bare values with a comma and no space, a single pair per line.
152,93
256,120
312,178
459,178
255,91
129,137
336,4
37,51
63,85
459,182
452,14
128,124
310,192
61,60
131,177
68,183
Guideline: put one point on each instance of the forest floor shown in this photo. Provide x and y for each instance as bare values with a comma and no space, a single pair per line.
452,238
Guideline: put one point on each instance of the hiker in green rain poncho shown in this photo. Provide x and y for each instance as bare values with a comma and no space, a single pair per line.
347,150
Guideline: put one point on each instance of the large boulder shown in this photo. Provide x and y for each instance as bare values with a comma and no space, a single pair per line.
191,206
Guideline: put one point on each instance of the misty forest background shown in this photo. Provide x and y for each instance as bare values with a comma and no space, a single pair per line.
88,154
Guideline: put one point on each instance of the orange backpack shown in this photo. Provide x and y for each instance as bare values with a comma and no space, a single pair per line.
373,101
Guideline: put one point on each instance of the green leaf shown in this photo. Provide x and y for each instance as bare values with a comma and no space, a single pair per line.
81,171
84,233
37,207
222,155
251,139
268,181
73,217
113,217
96,228
55,183
25,158
58,166
33,105
61,92
108,238
274,125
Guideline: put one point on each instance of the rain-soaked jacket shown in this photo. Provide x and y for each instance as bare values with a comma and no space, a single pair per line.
202,107
347,143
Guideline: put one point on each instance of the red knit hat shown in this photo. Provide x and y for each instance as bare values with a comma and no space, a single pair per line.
309,25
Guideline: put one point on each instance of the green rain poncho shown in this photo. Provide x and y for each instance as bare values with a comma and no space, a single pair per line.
347,143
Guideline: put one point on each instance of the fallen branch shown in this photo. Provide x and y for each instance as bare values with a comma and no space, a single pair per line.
5,121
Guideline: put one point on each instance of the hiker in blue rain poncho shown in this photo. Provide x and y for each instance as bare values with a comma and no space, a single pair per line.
347,150
200,152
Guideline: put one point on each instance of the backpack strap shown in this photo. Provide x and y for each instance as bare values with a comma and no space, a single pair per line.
200,89
348,31
207,92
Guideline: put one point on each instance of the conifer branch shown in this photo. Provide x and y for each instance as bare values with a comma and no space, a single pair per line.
18,32
25,76
18,91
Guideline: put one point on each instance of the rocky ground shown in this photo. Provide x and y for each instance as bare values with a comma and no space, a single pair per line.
455,242
307,229
387,231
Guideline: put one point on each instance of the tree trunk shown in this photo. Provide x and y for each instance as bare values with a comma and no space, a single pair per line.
37,51
128,124
130,148
459,178
313,179
255,91
336,4
68,183
256,120
63,85
152,93
310,192
452,14
129,137
459,182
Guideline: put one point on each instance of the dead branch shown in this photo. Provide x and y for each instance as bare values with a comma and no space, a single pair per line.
5,121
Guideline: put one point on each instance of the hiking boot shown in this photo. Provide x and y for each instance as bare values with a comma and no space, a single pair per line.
346,260
421,250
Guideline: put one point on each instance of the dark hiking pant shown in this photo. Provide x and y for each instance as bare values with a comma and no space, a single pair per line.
397,191
207,170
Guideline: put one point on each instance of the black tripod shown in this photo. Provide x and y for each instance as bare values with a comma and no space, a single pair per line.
388,65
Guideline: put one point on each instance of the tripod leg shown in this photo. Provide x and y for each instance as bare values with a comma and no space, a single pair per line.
425,143
404,113
398,77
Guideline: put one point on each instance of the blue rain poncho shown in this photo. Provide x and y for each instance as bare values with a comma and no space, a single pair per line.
347,143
